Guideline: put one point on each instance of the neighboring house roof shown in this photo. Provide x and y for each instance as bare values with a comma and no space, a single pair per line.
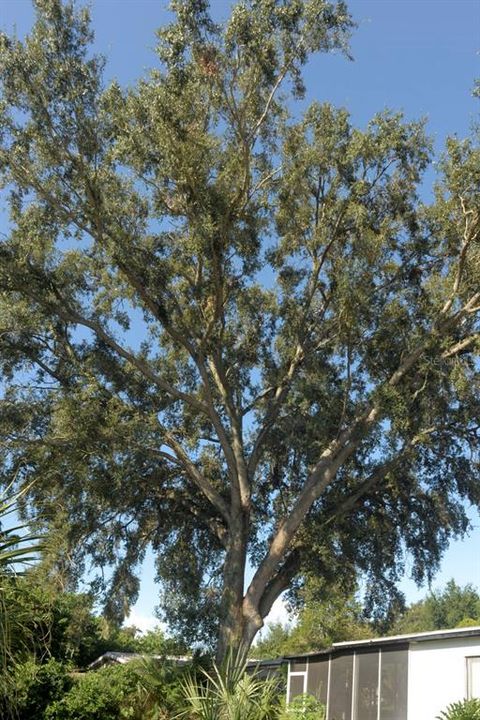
125,657
465,632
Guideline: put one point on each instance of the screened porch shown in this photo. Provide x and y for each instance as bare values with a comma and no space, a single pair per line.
360,684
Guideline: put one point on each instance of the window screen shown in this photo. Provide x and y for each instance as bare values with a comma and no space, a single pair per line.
341,688
393,685
296,686
366,686
473,677
298,666
317,680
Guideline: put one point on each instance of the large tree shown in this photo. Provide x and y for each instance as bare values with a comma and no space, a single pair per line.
231,333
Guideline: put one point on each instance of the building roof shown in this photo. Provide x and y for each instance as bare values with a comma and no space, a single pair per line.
125,657
465,632
274,662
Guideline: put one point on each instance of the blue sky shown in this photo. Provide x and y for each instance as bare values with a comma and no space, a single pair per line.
418,56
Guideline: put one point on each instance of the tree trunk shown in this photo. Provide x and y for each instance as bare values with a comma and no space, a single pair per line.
233,633
237,634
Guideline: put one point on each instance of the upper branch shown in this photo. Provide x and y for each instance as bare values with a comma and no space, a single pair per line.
470,234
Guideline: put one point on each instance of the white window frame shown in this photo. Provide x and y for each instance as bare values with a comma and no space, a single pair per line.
468,683
297,673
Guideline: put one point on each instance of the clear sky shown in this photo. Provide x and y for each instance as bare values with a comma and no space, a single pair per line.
418,56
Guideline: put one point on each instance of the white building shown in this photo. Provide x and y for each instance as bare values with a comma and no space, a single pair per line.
406,677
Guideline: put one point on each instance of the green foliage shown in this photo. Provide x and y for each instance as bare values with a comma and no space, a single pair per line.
33,687
154,642
466,710
46,633
230,330
328,616
274,642
454,606
159,692
140,690
305,707
46,622
100,695
50,633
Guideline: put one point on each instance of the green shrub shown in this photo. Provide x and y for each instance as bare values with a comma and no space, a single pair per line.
466,710
32,687
100,695
141,690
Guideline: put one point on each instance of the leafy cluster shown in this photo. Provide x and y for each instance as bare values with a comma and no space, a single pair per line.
230,693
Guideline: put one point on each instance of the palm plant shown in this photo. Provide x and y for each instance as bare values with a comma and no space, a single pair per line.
230,693
18,549
158,688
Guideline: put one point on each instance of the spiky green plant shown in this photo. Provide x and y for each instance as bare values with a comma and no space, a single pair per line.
18,548
230,693
466,710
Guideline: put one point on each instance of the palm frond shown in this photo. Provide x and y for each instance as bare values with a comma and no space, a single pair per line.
18,547
230,693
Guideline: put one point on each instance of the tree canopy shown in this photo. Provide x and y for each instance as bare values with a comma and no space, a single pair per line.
228,332
454,606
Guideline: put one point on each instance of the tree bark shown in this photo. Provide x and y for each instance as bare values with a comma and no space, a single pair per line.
231,616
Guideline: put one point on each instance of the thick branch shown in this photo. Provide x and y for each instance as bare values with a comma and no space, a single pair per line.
376,477
242,475
281,391
471,231
216,421
280,582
